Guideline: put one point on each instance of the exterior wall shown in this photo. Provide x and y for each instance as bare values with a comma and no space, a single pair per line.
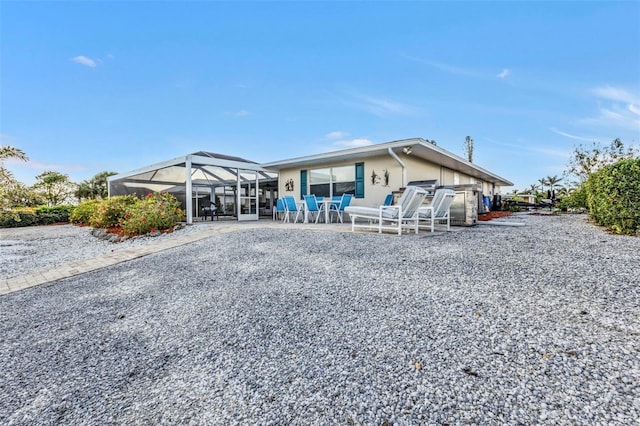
375,186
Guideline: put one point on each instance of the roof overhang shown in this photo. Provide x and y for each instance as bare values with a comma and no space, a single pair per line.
419,148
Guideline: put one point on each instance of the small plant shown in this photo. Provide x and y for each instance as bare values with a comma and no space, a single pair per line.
155,212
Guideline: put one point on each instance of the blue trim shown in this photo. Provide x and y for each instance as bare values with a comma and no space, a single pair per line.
359,180
303,184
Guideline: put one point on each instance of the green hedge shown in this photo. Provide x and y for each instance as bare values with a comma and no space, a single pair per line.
613,196
38,216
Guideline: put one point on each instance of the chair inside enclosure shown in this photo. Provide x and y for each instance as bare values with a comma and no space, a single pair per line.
208,209
292,210
312,207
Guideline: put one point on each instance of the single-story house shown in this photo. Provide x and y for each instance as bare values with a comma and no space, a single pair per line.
369,173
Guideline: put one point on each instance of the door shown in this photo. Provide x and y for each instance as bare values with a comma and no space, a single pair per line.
247,195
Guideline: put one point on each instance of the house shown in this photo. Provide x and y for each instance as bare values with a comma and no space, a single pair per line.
369,172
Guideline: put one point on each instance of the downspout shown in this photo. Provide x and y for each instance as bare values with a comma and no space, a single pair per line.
404,168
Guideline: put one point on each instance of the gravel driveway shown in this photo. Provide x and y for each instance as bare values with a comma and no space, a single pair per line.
491,325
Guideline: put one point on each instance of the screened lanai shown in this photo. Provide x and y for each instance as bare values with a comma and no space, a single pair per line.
232,187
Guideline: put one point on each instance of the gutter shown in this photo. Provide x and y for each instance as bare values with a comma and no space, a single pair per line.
404,168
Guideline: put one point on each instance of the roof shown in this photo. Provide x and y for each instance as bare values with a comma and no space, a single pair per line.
222,157
419,148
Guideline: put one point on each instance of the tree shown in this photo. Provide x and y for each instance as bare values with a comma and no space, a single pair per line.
552,181
10,189
587,160
468,148
54,187
533,189
542,182
7,152
94,188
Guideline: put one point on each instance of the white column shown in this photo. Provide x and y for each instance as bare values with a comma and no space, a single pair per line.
188,189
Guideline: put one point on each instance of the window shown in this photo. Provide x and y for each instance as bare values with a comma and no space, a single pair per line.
333,181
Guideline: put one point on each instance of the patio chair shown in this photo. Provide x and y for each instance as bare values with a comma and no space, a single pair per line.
312,207
388,200
404,214
279,210
438,210
291,206
338,208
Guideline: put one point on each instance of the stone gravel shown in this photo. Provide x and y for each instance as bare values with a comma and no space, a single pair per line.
490,325
34,248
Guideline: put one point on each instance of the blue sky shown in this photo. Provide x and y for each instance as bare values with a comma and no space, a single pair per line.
94,86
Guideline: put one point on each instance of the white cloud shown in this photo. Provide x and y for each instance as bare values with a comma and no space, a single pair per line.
241,113
621,112
379,106
504,74
616,94
39,166
451,69
353,143
336,135
83,60
570,136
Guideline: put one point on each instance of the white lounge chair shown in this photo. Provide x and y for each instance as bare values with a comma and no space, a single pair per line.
438,210
404,214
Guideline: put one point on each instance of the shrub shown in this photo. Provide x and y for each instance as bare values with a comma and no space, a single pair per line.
576,200
156,211
27,216
17,218
84,211
111,211
613,196
56,214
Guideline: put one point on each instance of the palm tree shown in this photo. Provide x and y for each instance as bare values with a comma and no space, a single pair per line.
532,189
543,182
552,181
7,152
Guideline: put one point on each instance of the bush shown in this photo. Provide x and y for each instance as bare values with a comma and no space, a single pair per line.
39,216
18,218
111,211
84,211
56,214
613,196
576,200
155,212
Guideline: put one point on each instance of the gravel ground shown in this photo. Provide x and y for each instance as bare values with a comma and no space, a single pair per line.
491,325
28,249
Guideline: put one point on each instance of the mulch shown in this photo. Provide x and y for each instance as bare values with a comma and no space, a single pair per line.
484,217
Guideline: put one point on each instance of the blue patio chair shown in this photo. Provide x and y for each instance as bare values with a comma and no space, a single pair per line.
279,209
292,208
345,200
312,206
388,200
